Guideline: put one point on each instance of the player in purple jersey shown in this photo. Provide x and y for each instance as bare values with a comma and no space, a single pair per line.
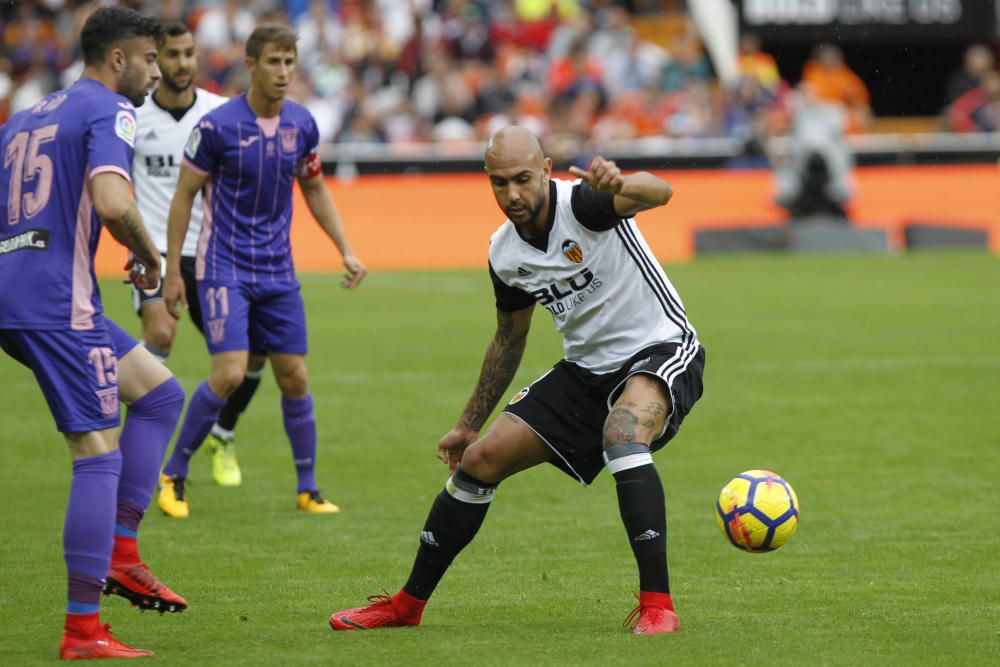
65,170
245,156
174,109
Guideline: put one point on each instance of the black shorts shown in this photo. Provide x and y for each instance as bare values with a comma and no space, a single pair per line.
567,406
142,297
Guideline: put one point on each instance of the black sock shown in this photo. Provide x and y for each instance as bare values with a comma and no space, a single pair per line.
454,519
643,511
238,402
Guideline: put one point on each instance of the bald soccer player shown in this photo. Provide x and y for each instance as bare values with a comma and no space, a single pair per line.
632,370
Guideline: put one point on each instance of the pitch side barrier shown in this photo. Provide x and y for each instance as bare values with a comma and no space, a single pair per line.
444,221
347,160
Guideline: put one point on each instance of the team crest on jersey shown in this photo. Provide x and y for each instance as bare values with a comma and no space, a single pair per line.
217,329
125,127
194,140
519,395
109,401
573,251
289,139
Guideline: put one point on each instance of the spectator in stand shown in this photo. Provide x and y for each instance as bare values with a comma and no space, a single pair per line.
978,60
813,179
225,27
576,74
465,32
493,95
978,110
687,64
758,65
612,31
832,80
694,114
319,32
634,66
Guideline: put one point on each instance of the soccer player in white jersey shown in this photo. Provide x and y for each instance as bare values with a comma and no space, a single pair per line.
164,126
632,370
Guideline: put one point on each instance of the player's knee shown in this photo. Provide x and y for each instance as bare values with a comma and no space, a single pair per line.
224,381
294,381
159,337
165,401
483,464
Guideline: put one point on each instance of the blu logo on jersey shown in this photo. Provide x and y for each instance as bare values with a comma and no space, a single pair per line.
577,283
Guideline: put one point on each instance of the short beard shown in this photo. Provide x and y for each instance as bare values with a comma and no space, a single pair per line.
136,95
173,87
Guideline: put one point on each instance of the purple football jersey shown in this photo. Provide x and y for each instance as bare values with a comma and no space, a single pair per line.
48,227
251,164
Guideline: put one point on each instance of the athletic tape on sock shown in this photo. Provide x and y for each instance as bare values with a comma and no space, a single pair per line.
466,488
627,455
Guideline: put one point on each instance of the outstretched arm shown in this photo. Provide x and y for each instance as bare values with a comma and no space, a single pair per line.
321,205
634,192
117,208
503,356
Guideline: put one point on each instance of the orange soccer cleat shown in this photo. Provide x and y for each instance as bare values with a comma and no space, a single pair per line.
135,583
385,612
98,644
656,615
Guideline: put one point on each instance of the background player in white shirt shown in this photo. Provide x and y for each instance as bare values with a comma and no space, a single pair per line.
165,123
632,370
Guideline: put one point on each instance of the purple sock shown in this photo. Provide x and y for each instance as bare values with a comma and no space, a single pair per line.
88,534
300,425
83,594
149,424
202,412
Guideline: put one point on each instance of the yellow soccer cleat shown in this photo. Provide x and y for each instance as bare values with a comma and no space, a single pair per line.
172,499
225,467
312,501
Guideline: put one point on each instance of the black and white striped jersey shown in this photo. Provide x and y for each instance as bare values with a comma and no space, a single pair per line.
598,278
161,135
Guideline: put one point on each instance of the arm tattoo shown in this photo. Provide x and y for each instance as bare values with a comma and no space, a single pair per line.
133,227
503,356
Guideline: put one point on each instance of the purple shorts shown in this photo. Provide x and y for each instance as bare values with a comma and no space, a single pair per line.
77,371
259,317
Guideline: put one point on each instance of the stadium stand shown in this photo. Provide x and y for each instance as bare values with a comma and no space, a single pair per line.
417,85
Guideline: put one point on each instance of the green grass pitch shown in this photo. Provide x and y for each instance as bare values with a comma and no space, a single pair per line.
870,383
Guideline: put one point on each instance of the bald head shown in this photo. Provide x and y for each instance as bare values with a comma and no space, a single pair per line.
513,145
519,175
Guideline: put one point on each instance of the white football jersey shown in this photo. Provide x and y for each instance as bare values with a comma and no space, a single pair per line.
606,290
159,145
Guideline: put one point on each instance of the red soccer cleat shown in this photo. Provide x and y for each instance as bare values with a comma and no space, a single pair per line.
136,583
99,644
385,612
656,615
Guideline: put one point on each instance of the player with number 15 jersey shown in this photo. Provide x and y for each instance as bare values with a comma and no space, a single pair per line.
48,229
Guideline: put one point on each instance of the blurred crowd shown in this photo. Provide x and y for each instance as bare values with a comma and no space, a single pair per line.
576,72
